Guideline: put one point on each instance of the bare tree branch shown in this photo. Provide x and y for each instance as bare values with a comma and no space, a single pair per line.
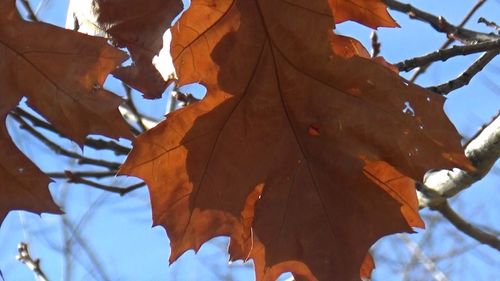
91,174
74,178
483,150
467,228
426,240
448,41
60,150
440,24
464,248
464,78
31,14
87,249
33,264
444,54
437,274
100,144
488,23
90,142
133,108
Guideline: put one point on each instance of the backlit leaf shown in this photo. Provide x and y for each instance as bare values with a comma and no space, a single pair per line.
139,26
304,151
61,73
372,13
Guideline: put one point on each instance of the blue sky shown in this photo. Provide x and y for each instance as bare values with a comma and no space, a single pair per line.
115,232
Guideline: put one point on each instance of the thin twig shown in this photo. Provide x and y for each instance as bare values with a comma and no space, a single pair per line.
488,23
184,98
33,264
429,264
454,252
425,241
91,174
444,54
440,24
73,178
97,144
67,248
86,248
450,40
60,150
467,228
375,44
464,78
31,13
133,108
35,120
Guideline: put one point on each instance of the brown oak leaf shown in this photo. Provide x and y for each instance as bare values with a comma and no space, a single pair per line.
139,26
303,155
61,73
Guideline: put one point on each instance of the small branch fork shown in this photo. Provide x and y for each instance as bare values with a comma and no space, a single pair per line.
437,23
60,150
78,177
449,41
475,42
89,142
445,54
466,76
441,25
133,108
416,251
483,151
479,42
33,264
475,232
491,24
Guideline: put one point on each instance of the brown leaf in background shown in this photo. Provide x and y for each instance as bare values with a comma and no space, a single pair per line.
330,141
61,73
139,26
23,186
372,13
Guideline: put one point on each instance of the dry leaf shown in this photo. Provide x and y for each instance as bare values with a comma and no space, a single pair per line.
372,13
23,185
61,72
330,141
139,26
